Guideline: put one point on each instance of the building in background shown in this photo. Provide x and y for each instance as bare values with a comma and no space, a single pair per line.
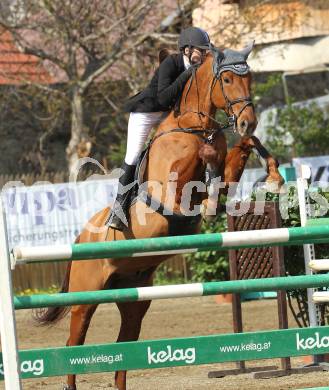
290,37
19,68
291,42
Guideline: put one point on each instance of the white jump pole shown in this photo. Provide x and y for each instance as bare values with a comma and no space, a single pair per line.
302,187
321,296
319,265
11,366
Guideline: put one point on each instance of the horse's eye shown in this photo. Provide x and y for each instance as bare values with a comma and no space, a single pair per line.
226,80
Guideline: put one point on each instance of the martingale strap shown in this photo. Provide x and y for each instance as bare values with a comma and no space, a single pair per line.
207,135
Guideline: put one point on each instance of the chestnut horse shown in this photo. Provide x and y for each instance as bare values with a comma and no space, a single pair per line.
187,142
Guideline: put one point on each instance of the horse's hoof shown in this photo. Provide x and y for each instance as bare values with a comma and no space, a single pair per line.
69,387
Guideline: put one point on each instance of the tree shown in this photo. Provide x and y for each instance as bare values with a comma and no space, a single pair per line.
299,132
81,42
32,126
85,42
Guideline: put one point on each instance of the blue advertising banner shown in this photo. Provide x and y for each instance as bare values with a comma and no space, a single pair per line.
51,214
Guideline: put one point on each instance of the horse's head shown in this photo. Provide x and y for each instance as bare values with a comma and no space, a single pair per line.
230,89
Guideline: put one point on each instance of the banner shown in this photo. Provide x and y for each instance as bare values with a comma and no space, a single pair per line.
187,351
51,214
319,167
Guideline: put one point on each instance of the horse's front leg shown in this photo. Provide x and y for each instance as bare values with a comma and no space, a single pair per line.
132,314
230,170
237,158
272,163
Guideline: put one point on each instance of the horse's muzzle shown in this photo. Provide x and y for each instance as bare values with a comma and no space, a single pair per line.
246,127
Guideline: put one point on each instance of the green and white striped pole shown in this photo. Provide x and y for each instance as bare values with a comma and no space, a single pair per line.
173,245
171,291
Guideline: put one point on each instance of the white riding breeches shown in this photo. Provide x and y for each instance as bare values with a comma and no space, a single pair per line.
139,127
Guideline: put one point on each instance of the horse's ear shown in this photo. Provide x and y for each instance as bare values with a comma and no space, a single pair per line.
217,53
247,50
163,54
221,54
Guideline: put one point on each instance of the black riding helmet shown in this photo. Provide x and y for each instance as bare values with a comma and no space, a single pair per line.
194,36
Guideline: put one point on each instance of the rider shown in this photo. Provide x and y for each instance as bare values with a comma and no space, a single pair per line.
149,107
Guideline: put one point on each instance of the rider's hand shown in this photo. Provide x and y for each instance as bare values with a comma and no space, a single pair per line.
183,77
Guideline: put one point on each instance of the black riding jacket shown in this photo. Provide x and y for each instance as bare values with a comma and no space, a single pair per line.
164,88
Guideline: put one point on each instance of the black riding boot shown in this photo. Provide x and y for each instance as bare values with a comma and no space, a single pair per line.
118,217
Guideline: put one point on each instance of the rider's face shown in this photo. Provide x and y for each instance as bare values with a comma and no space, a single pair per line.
196,54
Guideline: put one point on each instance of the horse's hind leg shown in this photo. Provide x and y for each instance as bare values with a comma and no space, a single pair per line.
80,319
132,314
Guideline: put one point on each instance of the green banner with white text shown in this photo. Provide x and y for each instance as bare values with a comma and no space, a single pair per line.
173,352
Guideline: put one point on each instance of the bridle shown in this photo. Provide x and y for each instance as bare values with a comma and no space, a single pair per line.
231,116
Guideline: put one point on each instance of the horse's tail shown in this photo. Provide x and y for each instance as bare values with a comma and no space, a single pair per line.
51,315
